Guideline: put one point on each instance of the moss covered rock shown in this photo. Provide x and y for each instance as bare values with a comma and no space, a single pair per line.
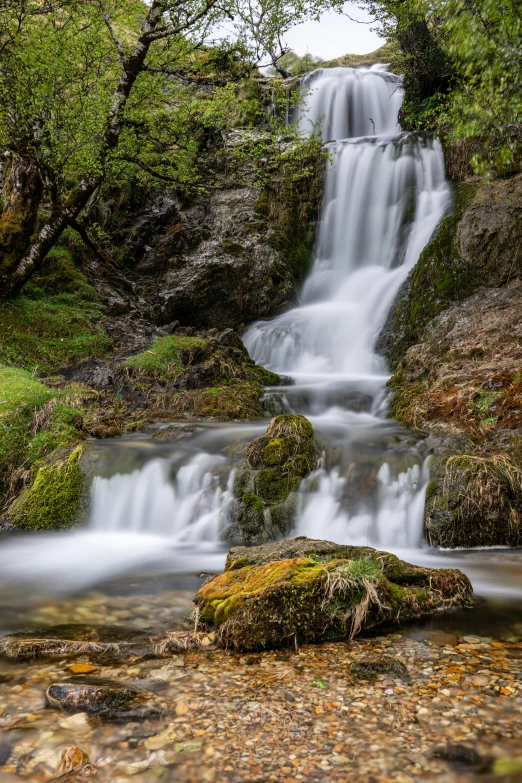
305,591
282,457
56,494
275,465
474,500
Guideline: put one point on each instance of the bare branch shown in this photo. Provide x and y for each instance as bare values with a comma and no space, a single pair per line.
110,28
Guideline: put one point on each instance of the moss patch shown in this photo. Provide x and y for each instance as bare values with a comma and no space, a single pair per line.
475,501
439,278
282,457
168,357
34,421
286,601
55,321
54,498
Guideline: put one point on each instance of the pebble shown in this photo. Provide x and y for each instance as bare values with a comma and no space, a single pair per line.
290,716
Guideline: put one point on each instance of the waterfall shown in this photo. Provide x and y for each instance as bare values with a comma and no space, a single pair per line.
385,194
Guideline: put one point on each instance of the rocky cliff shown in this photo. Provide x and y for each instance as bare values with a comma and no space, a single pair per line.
454,341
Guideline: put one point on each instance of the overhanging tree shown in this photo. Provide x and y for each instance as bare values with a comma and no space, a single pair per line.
91,90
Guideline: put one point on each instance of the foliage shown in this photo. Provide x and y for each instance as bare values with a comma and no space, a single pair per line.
261,26
462,76
484,39
94,94
296,65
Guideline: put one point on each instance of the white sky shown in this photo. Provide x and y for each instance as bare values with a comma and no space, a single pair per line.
335,35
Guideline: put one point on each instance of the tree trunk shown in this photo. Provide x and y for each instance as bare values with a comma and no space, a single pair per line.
21,195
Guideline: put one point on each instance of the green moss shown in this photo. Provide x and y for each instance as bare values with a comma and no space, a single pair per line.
290,201
274,484
290,600
168,357
232,248
237,399
439,278
34,421
251,517
54,498
54,321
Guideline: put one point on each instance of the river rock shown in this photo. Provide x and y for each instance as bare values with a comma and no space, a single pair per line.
109,700
101,643
266,485
301,591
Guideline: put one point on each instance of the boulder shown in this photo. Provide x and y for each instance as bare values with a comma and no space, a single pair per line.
300,591
266,484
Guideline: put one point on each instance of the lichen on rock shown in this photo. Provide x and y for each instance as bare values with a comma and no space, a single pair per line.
287,600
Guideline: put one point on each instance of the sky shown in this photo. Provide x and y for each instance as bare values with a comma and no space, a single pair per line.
335,35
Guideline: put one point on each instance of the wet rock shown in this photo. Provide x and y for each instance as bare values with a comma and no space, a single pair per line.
275,465
103,643
75,760
57,496
372,667
109,700
5,752
458,753
332,593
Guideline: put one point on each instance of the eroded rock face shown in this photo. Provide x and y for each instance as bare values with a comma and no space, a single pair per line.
233,275
329,592
266,484
458,375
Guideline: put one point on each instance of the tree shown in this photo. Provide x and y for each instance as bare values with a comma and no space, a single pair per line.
295,65
262,24
461,64
484,39
92,91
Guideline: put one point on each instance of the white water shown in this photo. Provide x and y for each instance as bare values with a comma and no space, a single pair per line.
385,193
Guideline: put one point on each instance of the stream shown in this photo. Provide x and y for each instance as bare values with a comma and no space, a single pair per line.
162,500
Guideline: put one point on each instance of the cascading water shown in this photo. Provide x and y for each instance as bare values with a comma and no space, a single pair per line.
385,193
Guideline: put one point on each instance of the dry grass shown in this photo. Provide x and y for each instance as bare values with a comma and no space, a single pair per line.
489,482
352,579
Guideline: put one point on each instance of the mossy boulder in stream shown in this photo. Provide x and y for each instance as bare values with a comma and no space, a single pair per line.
56,496
300,591
275,465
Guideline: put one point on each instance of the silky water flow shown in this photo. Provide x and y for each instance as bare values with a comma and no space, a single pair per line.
167,505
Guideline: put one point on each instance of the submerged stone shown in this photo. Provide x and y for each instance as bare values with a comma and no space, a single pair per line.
300,591
103,643
372,667
109,700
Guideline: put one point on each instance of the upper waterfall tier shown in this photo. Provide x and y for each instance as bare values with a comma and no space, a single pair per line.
383,200
346,103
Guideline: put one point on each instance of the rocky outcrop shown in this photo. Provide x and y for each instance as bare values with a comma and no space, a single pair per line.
233,275
57,497
266,482
454,337
225,258
304,591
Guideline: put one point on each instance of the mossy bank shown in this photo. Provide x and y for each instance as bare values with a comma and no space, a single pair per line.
454,341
